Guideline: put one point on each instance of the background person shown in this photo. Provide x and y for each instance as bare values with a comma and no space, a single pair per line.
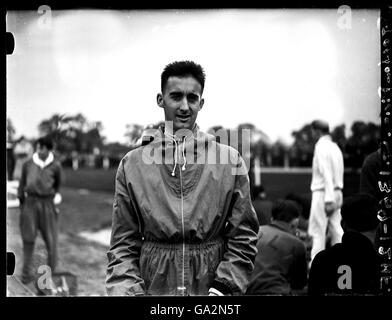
40,181
326,187
280,265
356,251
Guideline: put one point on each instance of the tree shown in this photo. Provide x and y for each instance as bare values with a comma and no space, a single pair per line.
278,154
133,133
338,135
301,152
364,139
73,133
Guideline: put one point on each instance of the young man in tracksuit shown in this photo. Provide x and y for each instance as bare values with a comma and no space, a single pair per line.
184,225
40,181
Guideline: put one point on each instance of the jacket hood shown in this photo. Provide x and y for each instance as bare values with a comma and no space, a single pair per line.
183,148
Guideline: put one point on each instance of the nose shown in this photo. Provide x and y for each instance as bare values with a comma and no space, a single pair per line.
184,104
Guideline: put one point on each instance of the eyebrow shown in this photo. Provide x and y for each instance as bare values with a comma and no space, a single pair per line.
176,93
180,93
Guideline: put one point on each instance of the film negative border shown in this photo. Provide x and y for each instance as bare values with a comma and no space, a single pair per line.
384,236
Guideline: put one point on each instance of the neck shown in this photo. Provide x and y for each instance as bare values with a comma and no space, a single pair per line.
43,158
180,133
286,225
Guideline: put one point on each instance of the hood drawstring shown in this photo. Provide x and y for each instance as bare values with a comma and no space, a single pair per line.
183,155
172,137
175,158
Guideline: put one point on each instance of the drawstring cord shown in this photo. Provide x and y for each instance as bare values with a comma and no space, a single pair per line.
172,137
183,155
175,158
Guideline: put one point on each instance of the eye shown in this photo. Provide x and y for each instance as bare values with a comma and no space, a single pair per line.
193,98
176,96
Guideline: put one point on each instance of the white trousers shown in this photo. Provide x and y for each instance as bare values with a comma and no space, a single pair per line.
319,223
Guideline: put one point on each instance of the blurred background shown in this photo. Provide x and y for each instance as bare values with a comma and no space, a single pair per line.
89,79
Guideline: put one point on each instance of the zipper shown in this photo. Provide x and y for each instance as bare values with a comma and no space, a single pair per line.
182,288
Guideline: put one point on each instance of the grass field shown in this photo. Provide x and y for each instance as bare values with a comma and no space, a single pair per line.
277,184
79,211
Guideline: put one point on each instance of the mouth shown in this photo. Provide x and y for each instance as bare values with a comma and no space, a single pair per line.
183,118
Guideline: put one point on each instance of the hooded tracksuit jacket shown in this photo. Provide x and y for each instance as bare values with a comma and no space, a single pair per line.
182,220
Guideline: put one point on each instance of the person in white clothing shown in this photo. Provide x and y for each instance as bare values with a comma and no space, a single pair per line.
326,187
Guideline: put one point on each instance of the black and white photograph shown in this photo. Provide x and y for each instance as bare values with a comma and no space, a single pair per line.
198,152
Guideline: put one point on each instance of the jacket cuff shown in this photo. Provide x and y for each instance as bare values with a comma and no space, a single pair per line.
221,287
123,290
214,292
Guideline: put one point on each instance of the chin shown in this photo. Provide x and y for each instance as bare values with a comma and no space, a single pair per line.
180,125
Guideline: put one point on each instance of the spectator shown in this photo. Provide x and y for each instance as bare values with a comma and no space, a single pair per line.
40,181
326,187
350,267
280,265
369,174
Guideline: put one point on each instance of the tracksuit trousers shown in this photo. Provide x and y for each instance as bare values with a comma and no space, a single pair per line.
38,214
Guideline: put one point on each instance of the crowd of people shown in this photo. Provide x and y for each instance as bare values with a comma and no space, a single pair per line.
191,227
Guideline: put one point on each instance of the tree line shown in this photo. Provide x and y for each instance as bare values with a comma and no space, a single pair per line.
78,138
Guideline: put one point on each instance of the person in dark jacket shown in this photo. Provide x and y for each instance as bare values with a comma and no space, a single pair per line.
369,174
280,266
183,222
40,182
350,267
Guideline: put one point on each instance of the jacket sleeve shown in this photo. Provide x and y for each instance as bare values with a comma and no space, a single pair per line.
368,177
326,170
22,184
233,273
123,274
299,268
58,178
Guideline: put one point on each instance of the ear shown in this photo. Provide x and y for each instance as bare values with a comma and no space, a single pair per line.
160,100
201,104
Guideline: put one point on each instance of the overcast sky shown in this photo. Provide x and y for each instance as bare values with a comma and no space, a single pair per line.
277,69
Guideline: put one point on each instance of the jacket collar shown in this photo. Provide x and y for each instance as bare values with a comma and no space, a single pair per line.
323,138
280,225
167,132
40,163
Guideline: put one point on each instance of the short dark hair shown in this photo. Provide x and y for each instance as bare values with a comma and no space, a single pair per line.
183,69
285,210
321,125
359,212
45,141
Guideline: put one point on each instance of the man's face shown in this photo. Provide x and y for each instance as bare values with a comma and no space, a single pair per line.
181,101
294,226
43,152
